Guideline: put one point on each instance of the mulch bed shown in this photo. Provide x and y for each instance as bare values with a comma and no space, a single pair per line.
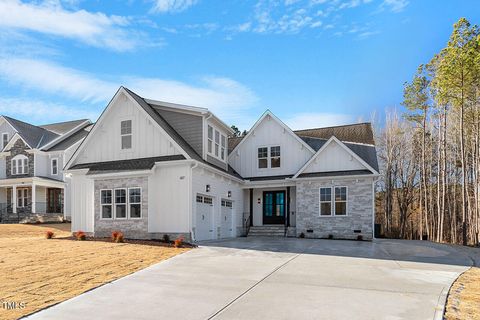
152,242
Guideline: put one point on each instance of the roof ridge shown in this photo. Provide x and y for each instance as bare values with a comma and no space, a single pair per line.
63,122
337,126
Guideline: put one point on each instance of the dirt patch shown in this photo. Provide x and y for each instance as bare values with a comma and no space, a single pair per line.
464,297
36,272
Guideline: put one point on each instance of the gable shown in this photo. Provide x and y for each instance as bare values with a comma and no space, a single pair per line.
104,141
267,132
333,157
5,127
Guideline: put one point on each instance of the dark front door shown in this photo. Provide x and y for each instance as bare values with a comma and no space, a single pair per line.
53,201
273,207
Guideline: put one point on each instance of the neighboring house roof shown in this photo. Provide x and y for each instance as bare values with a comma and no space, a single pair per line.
34,136
71,140
125,165
63,127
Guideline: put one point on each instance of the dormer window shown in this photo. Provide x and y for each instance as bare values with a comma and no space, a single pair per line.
19,165
216,143
126,134
4,140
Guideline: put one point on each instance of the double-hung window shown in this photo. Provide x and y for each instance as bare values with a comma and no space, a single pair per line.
135,202
22,198
216,143
210,139
4,140
120,203
263,157
275,157
126,134
333,201
19,165
268,157
54,166
106,203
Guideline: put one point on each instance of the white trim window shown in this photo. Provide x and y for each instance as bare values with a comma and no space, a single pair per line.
19,165
263,157
268,157
216,143
126,134
4,139
340,201
325,201
120,203
275,157
54,166
106,203
135,203
22,198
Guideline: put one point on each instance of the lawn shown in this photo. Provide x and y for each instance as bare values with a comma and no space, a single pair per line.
464,297
40,272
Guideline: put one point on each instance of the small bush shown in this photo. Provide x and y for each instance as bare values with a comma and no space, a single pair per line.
166,238
119,238
302,235
80,235
49,234
359,237
330,236
178,243
115,235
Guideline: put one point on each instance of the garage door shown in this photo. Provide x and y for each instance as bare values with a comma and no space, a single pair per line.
227,216
204,219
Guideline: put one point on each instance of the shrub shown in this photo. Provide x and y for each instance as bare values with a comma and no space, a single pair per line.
330,236
115,235
302,235
166,238
119,237
80,235
359,237
178,242
49,234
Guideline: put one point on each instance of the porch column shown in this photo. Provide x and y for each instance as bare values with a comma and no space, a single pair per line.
251,207
34,198
14,199
288,206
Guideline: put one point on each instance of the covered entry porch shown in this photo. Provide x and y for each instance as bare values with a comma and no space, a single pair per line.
270,204
31,199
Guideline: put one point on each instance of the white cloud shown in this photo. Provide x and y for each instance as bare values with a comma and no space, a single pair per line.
164,6
395,5
49,17
226,97
317,120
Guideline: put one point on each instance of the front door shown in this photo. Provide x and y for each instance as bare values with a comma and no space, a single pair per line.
274,207
54,204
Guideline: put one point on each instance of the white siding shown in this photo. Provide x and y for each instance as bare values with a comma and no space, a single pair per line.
41,165
82,203
334,158
219,187
105,142
169,199
3,168
269,133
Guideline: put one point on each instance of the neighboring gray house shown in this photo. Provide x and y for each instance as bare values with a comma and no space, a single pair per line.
150,168
32,182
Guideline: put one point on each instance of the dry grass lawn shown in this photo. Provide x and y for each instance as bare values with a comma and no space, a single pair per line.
464,298
42,272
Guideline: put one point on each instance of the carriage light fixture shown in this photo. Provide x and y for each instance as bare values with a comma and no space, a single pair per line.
229,194
207,188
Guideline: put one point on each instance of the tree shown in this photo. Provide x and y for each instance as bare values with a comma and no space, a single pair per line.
236,131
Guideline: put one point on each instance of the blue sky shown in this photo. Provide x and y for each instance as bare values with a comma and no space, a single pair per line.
312,62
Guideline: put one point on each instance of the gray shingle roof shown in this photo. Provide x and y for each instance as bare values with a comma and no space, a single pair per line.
63,127
71,140
334,173
125,165
36,137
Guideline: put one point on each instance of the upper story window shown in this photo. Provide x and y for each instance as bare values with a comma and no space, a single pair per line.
269,157
4,140
126,134
54,166
19,165
217,143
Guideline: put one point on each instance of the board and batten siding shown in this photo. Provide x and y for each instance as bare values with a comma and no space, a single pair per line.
219,187
82,203
105,144
269,133
187,125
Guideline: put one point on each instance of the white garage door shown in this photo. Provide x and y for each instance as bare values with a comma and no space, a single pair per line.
204,219
227,216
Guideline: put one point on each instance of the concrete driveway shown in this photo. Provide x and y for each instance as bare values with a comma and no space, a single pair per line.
282,278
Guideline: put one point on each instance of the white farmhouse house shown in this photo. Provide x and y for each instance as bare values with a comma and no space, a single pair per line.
150,168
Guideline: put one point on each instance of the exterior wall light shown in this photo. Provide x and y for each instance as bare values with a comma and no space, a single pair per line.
229,194
207,188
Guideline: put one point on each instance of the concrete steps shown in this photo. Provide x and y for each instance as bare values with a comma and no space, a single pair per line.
267,231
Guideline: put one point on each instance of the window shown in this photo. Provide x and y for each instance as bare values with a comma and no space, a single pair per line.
207,200
275,157
135,202
263,157
216,143
19,165
126,134
340,201
106,204
269,157
325,201
54,166
120,203
22,198
4,140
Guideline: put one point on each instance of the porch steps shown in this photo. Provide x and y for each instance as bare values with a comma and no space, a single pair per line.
267,231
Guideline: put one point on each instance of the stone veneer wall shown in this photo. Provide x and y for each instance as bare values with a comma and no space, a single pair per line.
359,210
19,147
131,228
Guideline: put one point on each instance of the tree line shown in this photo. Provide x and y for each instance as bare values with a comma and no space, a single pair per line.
430,154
